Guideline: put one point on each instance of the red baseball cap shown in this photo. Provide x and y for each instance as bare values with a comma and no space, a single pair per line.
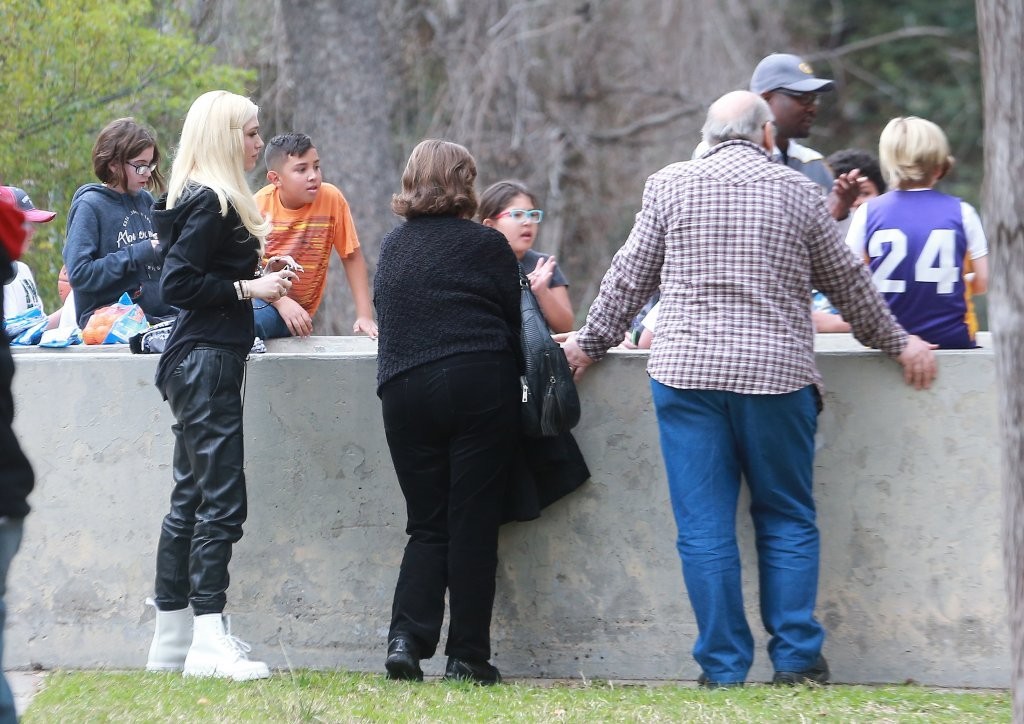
12,229
19,199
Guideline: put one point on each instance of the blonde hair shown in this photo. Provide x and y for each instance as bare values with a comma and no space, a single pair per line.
212,153
911,151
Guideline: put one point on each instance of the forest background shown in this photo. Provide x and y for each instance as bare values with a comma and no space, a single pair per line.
581,99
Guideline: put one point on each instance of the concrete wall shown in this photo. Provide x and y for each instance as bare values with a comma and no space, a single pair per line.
907,484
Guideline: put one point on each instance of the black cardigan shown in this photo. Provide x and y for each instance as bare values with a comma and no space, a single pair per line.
444,286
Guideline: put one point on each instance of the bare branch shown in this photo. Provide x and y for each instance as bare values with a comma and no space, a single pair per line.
642,124
914,32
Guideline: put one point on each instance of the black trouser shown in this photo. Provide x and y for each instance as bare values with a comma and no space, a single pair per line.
208,504
452,427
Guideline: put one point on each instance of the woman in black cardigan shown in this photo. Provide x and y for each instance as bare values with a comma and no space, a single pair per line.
447,299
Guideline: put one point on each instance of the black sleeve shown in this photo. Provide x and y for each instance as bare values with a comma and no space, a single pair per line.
186,281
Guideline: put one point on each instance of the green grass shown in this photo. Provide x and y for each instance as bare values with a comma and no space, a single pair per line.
332,696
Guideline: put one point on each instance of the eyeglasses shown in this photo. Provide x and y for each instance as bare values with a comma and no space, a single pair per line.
142,168
533,216
804,99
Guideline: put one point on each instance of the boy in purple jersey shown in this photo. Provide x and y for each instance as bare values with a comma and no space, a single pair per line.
927,250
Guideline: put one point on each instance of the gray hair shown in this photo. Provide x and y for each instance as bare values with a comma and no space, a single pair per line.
739,115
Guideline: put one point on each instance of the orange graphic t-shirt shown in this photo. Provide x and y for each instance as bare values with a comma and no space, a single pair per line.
308,235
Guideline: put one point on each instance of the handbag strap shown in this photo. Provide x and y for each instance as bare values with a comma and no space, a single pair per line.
524,281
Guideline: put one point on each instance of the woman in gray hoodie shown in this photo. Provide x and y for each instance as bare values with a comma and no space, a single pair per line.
111,246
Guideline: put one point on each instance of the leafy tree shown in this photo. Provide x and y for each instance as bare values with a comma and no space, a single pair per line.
917,57
67,68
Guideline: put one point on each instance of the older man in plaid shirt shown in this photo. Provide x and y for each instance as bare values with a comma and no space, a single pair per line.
737,243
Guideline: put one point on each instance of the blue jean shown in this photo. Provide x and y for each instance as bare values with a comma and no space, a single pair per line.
10,541
709,439
268,322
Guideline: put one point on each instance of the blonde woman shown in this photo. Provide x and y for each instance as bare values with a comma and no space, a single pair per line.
213,237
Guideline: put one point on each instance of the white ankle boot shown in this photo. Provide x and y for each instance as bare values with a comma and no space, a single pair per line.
171,640
215,652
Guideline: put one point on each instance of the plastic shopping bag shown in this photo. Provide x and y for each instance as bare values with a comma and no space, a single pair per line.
31,335
115,323
18,323
61,337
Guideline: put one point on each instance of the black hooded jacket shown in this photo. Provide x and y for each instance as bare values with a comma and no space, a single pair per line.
204,254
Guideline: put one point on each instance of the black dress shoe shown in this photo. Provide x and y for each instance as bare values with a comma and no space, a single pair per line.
705,683
479,672
818,673
403,660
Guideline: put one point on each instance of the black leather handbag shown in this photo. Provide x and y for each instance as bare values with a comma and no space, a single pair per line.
152,340
550,403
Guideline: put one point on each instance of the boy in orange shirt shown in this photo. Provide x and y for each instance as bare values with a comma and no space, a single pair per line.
308,218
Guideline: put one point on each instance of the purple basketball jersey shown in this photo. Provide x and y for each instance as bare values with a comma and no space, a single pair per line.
916,246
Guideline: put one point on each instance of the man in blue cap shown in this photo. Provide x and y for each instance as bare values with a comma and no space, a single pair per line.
792,91
787,82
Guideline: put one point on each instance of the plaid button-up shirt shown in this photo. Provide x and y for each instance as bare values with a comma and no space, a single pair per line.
736,243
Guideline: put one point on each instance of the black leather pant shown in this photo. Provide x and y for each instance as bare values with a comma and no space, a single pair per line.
452,428
208,504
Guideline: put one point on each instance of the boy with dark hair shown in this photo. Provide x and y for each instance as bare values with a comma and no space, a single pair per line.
20,292
872,183
308,217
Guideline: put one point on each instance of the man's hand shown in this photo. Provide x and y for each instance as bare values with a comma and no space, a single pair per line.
918,360
845,190
294,316
578,359
365,325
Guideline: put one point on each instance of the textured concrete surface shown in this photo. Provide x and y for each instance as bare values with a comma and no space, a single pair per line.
24,685
907,484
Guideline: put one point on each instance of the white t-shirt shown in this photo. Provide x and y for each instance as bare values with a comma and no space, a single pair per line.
651,319
21,294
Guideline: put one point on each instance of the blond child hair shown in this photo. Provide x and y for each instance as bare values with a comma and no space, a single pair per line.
914,153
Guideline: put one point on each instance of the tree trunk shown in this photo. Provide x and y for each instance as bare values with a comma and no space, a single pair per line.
1001,32
333,83
580,100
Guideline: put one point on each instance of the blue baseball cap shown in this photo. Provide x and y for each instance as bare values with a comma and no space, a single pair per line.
788,72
